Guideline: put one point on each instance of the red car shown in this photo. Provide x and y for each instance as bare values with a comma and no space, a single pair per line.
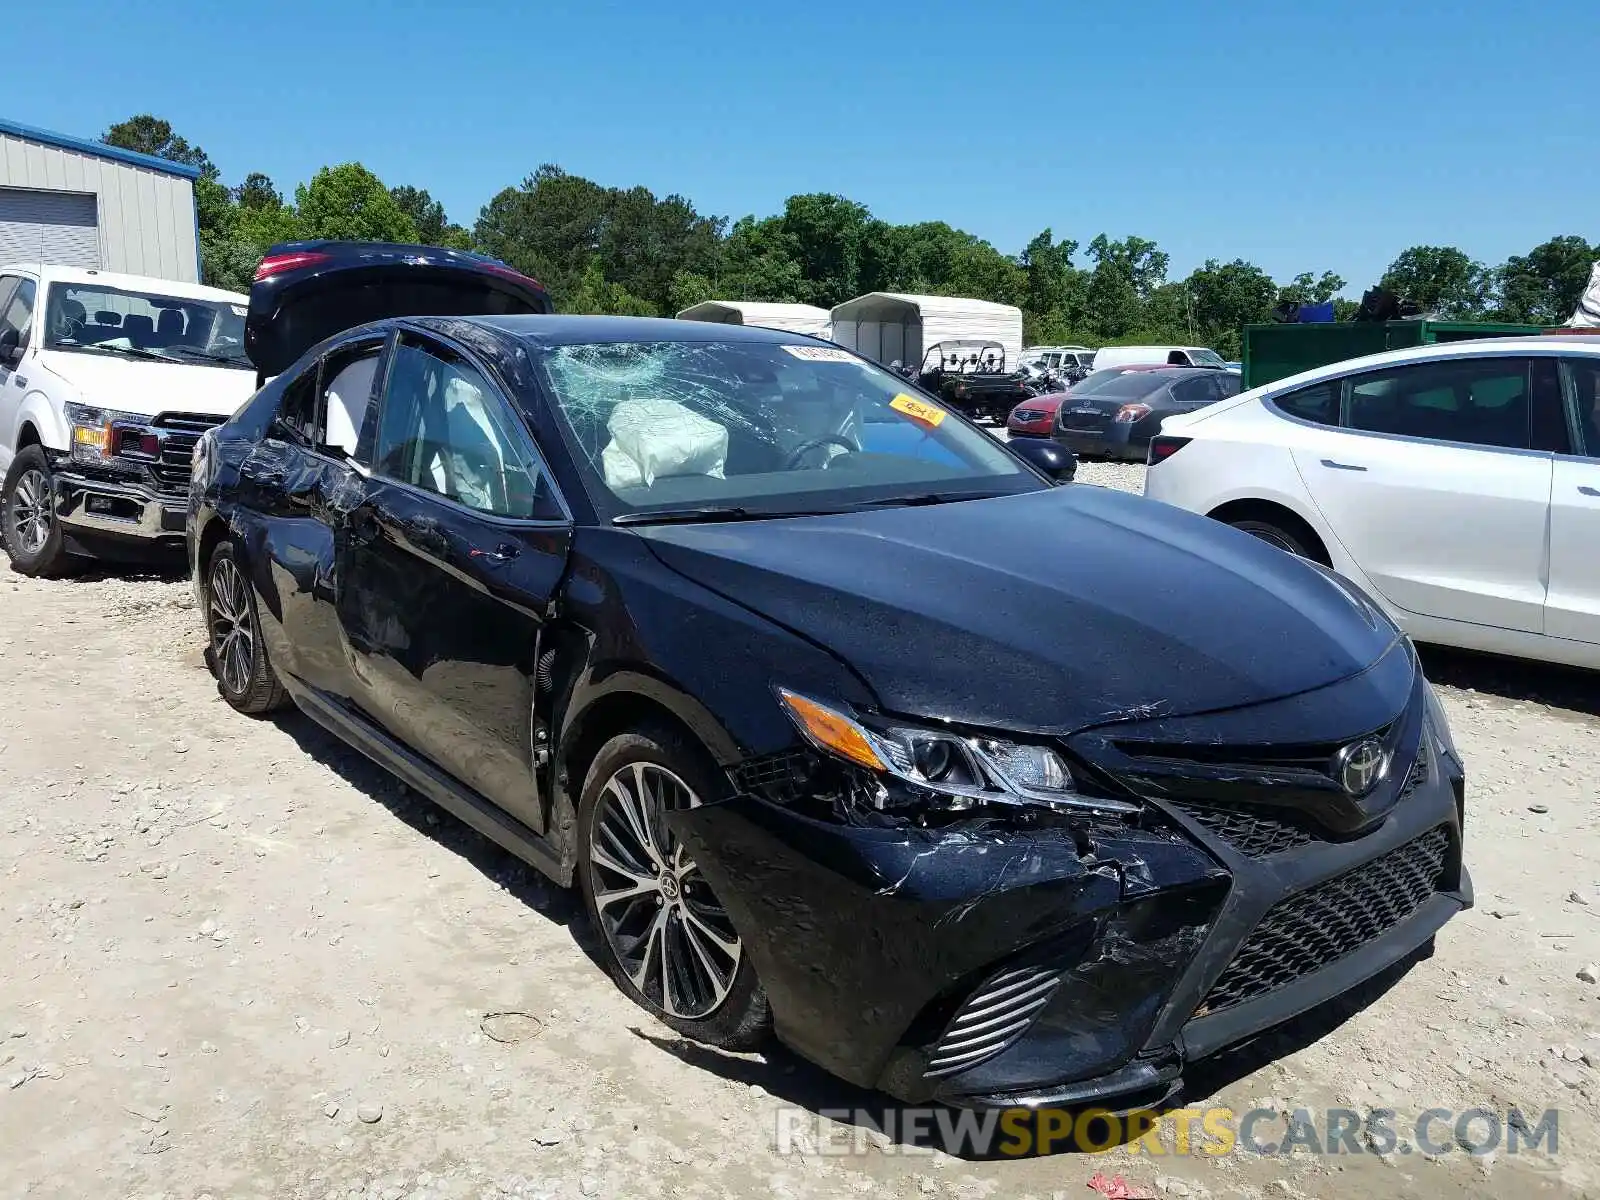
1036,416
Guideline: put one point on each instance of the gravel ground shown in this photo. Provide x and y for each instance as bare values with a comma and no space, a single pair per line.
239,961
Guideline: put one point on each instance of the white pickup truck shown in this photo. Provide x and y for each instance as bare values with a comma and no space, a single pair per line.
106,383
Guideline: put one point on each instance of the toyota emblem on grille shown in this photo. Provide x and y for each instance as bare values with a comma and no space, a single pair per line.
1360,765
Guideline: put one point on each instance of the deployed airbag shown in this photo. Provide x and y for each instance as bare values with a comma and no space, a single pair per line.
657,439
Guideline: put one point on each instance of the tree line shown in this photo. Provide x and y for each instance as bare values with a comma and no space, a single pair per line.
606,249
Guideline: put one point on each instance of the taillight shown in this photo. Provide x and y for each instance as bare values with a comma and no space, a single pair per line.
496,268
1129,413
277,264
1163,448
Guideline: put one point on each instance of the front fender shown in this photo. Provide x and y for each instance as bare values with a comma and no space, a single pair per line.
47,419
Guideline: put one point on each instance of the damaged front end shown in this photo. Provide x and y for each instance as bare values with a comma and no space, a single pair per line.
946,915
951,916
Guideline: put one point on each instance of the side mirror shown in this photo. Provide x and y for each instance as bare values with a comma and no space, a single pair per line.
1048,458
10,345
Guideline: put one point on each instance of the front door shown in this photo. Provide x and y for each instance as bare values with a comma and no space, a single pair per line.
447,567
1433,488
16,318
1573,610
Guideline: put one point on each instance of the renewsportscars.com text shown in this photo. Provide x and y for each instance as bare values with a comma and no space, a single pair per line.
1198,1132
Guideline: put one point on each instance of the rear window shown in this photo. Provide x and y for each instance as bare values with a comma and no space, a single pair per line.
1096,380
1132,384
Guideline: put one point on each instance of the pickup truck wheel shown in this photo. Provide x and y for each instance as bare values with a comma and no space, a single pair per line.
28,524
665,937
236,654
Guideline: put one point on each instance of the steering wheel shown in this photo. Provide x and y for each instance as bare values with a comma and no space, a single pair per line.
806,447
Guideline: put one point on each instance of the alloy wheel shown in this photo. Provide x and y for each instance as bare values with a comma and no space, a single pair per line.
30,511
659,916
233,635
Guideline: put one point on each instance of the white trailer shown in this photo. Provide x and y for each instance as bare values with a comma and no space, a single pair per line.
886,326
795,318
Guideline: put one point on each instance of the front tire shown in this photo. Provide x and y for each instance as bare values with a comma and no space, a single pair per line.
236,654
28,524
666,939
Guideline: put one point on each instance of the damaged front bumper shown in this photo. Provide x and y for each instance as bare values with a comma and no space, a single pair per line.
983,964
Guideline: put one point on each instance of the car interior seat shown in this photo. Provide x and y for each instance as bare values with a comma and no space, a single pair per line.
139,329
170,324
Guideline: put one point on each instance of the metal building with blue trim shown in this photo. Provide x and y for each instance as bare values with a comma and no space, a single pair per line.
76,202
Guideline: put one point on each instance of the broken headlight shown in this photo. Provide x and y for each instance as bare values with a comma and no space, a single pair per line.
954,770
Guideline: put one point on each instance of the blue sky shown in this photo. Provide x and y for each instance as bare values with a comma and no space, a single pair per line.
1303,136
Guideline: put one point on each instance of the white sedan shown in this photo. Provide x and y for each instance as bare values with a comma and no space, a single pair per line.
1459,484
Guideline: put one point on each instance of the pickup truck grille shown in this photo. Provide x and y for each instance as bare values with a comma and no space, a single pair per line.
180,432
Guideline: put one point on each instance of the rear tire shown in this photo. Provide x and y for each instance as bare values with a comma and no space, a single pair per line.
1276,535
664,936
235,652
28,524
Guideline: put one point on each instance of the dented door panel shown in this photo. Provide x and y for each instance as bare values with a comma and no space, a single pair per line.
440,609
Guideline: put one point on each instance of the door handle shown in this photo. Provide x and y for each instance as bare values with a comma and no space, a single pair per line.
1588,491
499,556
1339,466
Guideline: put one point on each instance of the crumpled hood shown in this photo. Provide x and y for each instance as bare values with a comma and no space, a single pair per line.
1045,612
147,388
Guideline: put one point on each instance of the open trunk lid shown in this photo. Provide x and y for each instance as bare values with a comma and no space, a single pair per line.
307,291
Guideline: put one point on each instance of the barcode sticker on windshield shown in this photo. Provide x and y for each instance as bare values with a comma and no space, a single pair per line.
822,354
239,310
918,410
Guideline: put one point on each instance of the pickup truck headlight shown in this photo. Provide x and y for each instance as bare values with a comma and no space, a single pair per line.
89,430
949,770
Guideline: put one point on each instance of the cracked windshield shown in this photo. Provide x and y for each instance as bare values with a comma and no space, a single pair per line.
107,320
763,428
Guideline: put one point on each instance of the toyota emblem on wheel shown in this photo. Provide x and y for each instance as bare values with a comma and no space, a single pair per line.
1360,765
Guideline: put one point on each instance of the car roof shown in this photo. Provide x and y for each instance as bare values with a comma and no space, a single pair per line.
50,273
564,330
1575,343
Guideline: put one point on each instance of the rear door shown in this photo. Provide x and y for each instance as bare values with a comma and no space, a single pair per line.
300,478
1434,486
1573,609
447,567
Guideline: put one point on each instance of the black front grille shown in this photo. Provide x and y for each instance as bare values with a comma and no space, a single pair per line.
1253,832
1320,926
180,432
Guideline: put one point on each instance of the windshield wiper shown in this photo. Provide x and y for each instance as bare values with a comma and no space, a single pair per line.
130,351
925,498
717,512
679,516
226,359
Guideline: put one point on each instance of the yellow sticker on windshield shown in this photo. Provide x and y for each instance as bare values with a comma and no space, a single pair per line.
918,410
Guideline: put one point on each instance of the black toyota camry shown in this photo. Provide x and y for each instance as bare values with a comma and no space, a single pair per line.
850,726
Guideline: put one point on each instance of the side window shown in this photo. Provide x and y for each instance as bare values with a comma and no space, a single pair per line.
1228,385
16,309
1319,403
348,378
1481,401
297,410
1199,390
443,428
1586,386
1177,358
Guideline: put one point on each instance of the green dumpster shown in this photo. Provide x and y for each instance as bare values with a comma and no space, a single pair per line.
1276,351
